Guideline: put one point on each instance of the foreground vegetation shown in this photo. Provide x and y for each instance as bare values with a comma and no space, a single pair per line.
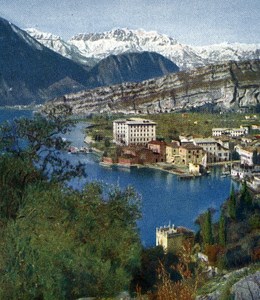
59,243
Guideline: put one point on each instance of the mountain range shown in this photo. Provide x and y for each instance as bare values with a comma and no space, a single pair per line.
31,72
230,86
97,46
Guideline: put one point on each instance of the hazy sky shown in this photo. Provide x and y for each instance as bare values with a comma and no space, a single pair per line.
195,22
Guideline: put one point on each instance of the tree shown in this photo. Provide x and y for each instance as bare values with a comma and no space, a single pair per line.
39,140
107,143
67,244
222,231
207,229
59,243
232,204
245,196
16,173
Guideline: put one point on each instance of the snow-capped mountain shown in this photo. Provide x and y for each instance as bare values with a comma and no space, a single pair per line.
228,51
118,41
58,45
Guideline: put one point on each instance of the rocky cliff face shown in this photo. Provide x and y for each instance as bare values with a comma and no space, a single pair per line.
225,87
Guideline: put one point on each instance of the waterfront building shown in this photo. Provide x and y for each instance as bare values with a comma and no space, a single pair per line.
190,153
171,238
134,131
158,147
138,155
249,156
215,151
172,151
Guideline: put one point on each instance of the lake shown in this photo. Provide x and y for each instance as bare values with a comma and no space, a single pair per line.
165,197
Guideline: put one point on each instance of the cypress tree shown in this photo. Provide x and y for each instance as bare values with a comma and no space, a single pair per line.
232,204
245,197
207,229
222,233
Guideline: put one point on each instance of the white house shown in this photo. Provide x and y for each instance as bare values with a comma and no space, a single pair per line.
135,131
246,155
233,132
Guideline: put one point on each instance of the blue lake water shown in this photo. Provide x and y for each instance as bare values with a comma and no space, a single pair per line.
165,198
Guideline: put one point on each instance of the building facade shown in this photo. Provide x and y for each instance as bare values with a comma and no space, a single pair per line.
172,239
232,132
172,151
190,153
134,131
214,150
246,155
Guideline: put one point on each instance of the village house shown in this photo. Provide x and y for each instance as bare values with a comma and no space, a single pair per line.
255,127
215,151
133,131
249,156
172,151
171,238
251,117
158,147
232,132
132,155
190,153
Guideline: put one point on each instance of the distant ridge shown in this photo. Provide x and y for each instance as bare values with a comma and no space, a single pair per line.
130,67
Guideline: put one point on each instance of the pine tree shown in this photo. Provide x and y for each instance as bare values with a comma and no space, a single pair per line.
232,204
222,233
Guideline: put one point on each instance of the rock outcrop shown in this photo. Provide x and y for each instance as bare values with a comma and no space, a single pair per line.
232,86
247,288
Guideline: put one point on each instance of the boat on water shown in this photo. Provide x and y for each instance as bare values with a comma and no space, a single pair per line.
85,150
75,150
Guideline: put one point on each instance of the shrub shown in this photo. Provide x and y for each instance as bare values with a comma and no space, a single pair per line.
254,221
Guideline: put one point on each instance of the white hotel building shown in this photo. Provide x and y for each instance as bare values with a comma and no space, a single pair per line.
133,131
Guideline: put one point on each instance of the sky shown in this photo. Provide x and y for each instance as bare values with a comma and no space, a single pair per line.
192,22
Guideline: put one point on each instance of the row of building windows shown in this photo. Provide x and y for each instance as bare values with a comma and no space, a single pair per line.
142,140
144,134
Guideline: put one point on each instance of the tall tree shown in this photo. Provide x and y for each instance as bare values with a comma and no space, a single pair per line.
245,196
207,233
232,204
222,232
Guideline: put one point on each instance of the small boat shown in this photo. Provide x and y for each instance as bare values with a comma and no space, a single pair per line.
73,150
85,150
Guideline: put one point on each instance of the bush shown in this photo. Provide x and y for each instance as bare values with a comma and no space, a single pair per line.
254,221
214,252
